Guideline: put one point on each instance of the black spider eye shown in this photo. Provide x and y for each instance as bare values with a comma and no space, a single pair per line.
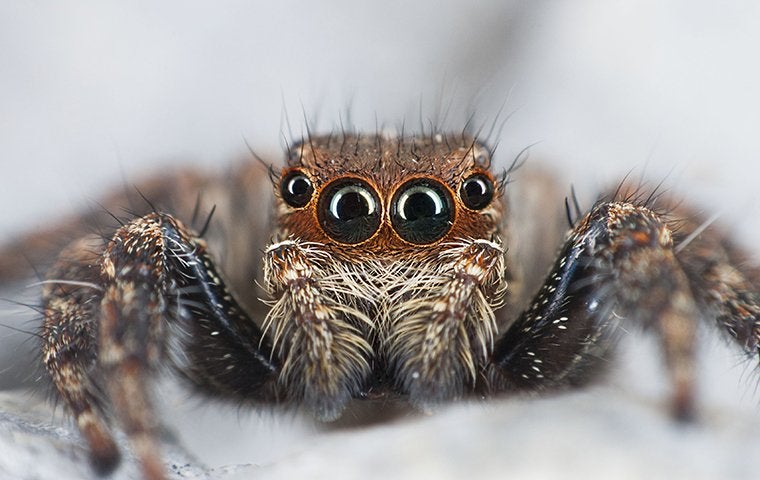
477,191
296,189
349,211
421,211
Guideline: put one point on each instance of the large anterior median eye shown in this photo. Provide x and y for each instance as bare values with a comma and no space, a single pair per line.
349,210
296,189
422,211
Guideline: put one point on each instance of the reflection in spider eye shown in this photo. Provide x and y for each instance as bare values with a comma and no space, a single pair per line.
349,211
296,189
352,202
477,191
421,211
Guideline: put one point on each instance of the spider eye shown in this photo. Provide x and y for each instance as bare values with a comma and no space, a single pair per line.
349,211
476,191
296,189
421,211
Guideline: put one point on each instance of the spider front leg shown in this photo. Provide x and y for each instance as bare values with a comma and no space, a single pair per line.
617,263
113,316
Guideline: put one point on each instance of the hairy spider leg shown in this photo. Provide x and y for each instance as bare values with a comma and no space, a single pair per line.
154,293
724,283
618,264
69,345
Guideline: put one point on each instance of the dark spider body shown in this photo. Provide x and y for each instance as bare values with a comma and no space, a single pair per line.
396,266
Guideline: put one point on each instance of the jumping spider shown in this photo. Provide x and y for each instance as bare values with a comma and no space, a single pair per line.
396,267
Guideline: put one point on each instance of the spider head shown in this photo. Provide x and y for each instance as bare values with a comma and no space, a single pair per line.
389,265
388,196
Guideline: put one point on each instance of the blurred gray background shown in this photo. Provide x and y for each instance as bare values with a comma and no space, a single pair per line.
93,94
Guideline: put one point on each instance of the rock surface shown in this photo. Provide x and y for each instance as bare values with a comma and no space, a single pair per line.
604,432
36,446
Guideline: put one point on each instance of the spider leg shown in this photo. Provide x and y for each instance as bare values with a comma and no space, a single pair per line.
617,263
69,345
724,283
155,295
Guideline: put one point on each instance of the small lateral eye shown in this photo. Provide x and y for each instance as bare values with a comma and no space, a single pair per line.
477,191
349,211
296,189
422,211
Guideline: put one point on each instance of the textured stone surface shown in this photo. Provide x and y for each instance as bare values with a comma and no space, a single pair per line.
615,431
36,446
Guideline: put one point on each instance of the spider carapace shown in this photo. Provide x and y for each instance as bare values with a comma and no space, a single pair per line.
393,265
